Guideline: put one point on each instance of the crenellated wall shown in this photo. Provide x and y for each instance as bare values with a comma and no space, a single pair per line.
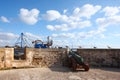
101,57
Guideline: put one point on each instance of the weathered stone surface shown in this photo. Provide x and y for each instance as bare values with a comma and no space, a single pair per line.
33,57
46,57
101,57
50,57
20,63
9,57
6,56
2,53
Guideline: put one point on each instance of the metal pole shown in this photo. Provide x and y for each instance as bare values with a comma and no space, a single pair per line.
21,40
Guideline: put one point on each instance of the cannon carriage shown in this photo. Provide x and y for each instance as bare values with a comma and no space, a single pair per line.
76,62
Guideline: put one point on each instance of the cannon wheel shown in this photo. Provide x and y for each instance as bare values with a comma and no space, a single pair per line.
86,67
74,64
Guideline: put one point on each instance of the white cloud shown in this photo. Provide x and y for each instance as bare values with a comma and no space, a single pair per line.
105,22
76,12
66,27
64,35
62,27
117,34
50,27
72,21
51,15
7,38
102,36
89,10
65,11
79,18
4,19
111,17
80,35
29,17
111,11
64,18
32,36
80,24
77,38
86,11
62,43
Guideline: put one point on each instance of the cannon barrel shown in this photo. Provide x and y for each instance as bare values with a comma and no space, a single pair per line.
77,57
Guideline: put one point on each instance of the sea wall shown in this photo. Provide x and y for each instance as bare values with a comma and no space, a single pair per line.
101,57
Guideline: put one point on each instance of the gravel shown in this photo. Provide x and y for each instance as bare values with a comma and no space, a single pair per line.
60,73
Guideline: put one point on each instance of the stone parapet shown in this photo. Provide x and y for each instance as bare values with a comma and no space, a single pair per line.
101,57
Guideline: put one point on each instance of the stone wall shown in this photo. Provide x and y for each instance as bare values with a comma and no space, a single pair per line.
101,57
2,53
52,57
45,57
6,57
9,57
33,57
40,58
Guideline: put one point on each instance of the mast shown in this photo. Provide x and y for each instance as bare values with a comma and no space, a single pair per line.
22,41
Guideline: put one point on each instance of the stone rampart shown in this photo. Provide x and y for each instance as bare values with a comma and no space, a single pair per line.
33,57
45,57
101,57
6,57
51,57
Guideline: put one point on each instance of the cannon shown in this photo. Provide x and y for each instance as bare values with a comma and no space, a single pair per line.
76,62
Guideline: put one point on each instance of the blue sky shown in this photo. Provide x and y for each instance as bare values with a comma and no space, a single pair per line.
84,23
